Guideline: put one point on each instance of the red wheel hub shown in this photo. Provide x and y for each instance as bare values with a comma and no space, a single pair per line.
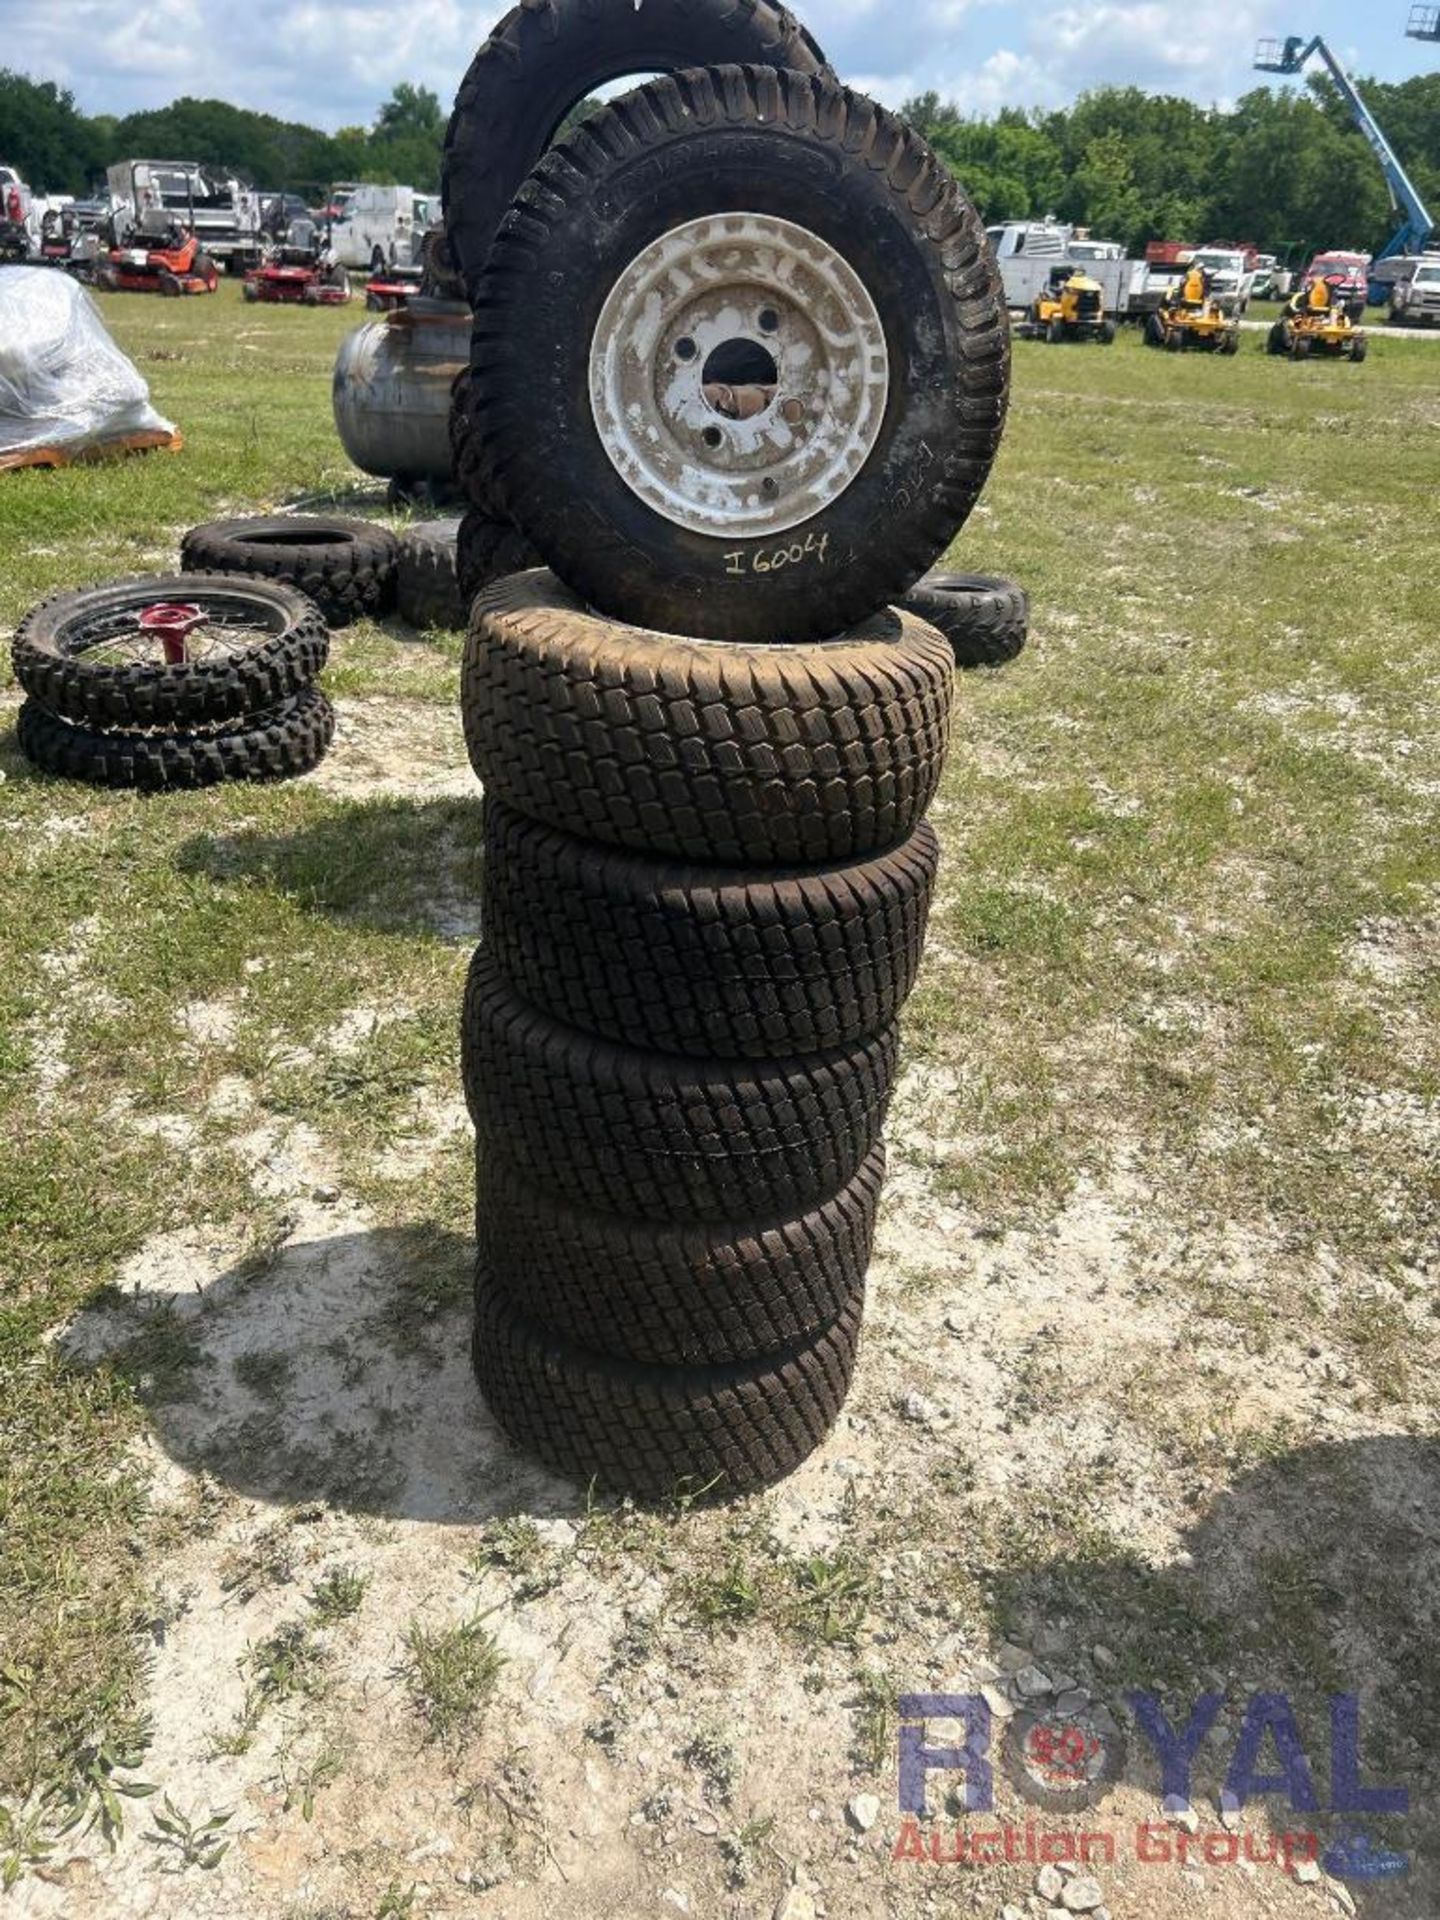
174,621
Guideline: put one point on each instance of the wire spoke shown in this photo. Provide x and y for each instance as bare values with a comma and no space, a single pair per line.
116,638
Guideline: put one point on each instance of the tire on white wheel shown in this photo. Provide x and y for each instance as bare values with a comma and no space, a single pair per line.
741,357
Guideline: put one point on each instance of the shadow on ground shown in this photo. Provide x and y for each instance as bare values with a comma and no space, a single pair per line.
399,866
1316,1574
365,497
338,1370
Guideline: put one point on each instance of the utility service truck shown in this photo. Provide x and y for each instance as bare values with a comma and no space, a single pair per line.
152,196
374,228
1029,251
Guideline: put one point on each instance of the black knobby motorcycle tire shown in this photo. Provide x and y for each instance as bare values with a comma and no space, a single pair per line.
347,567
51,654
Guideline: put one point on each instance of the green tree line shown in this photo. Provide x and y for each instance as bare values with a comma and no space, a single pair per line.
58,149
1285,169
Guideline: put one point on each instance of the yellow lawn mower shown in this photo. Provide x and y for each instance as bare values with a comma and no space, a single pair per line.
1191,317
1071,308
1314,324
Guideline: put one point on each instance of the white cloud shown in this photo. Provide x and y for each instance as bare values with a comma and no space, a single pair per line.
1156,43
1003,79
332,64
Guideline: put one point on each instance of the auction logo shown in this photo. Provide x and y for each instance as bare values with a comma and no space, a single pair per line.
1066,1758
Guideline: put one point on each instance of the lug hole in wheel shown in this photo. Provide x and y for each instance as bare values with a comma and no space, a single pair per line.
769,488
685,348
712,436
769,320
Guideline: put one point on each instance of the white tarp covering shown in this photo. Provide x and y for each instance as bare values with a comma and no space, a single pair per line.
63,381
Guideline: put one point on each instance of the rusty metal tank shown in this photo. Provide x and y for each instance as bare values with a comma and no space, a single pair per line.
392,389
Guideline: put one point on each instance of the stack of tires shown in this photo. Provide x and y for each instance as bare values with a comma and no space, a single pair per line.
739,374
488,546
707,876
174,683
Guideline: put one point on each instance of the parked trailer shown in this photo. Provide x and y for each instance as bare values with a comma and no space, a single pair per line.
1121,281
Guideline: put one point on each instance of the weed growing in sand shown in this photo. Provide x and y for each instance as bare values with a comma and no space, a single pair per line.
712,1754
185,1842
338,1594
740,1850
303,1780
452,1674
516,1547
830,1599
875,1697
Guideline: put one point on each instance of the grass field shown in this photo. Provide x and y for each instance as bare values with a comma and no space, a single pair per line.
1153,1333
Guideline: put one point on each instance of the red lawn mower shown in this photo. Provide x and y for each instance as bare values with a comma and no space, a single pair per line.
299,270
175,268
297,282
391,288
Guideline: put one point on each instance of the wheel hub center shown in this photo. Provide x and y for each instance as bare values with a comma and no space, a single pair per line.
174,622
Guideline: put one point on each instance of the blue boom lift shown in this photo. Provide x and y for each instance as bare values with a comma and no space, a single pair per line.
1416,225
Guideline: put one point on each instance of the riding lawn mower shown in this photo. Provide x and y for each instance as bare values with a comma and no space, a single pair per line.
392,288
299,270
1192,317
175,268
1071,308
1314,323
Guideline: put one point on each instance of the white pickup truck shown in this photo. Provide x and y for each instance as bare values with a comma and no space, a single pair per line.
1232,278
1415,299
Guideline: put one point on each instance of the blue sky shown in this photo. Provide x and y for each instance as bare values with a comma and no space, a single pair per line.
330,61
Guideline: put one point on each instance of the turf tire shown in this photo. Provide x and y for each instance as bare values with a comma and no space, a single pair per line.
751,755
682,1295
705,961
658,1433
654,1136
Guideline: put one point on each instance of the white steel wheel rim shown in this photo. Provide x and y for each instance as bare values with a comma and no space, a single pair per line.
729,291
